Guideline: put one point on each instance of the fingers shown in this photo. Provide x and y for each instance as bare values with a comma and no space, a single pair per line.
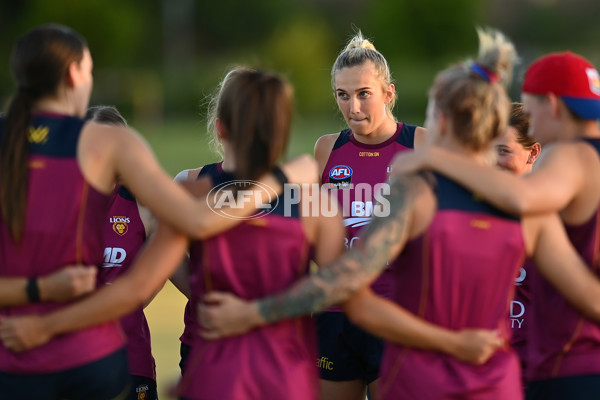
214,298
209,334
9,339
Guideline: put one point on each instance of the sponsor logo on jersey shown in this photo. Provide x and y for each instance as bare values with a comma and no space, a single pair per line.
480,224
517,314
38,135
114,257
120,225
142,392
368,154
521,278
37,164
340,177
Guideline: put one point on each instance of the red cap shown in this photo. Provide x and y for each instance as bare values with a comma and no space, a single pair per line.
571,77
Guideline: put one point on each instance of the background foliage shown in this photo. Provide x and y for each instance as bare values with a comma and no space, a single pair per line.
159,60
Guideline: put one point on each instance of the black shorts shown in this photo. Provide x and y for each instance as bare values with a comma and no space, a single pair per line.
107,378
143,388
184,352
346,352
580,387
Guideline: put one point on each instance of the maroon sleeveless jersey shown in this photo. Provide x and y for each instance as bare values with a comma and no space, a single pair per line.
459,274
63,226
124,236
562,342
355,173
257,258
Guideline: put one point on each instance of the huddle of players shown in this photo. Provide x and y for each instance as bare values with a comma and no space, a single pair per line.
446,257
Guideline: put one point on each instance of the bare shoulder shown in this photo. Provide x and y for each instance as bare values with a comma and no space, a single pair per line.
420,136
569,156
413,194
324,145
188,175
198,187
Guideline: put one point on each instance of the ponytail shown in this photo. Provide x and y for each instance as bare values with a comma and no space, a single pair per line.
13,162
39,63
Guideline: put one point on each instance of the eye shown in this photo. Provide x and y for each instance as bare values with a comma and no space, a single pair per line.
342,95
502,151
363,94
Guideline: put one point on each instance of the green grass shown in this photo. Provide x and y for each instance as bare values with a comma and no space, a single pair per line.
181,145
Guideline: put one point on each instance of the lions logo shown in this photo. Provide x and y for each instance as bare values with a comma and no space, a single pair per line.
38,135
119,225
142,392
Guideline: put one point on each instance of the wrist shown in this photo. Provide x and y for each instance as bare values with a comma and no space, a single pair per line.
446,342
43,289
256,318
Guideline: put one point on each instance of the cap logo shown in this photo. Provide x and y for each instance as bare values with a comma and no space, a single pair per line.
594,80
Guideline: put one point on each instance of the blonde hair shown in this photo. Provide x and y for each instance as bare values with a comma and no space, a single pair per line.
358,51
472,94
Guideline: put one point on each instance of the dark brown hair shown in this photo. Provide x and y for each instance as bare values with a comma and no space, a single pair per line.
520,121
255,108
39,63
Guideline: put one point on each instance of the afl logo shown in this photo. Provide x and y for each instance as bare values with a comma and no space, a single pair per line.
340,172
120,225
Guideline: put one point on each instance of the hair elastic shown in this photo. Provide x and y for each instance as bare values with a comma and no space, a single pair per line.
485,73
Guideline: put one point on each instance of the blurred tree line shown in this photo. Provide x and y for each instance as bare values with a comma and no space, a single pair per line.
158,59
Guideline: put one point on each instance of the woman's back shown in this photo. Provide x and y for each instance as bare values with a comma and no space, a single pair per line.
458,273
63,225
261,256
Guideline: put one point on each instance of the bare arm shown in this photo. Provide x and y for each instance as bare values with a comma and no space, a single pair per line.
381,241
323,147
558,261
153,266
65,284
181,278
388,320
107,152
420,137
556,179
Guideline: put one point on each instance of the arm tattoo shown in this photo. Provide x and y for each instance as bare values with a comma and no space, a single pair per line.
358,267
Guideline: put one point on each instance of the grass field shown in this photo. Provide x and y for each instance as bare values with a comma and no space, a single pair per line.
179,146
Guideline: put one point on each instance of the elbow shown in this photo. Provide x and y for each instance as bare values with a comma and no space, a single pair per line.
354,315
593,310
517,206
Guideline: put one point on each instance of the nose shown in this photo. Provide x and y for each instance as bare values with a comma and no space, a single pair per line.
354,105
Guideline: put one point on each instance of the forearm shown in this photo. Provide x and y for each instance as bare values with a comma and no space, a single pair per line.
153,266
330,285
181,278
393,323
380,242
501,188
13,292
